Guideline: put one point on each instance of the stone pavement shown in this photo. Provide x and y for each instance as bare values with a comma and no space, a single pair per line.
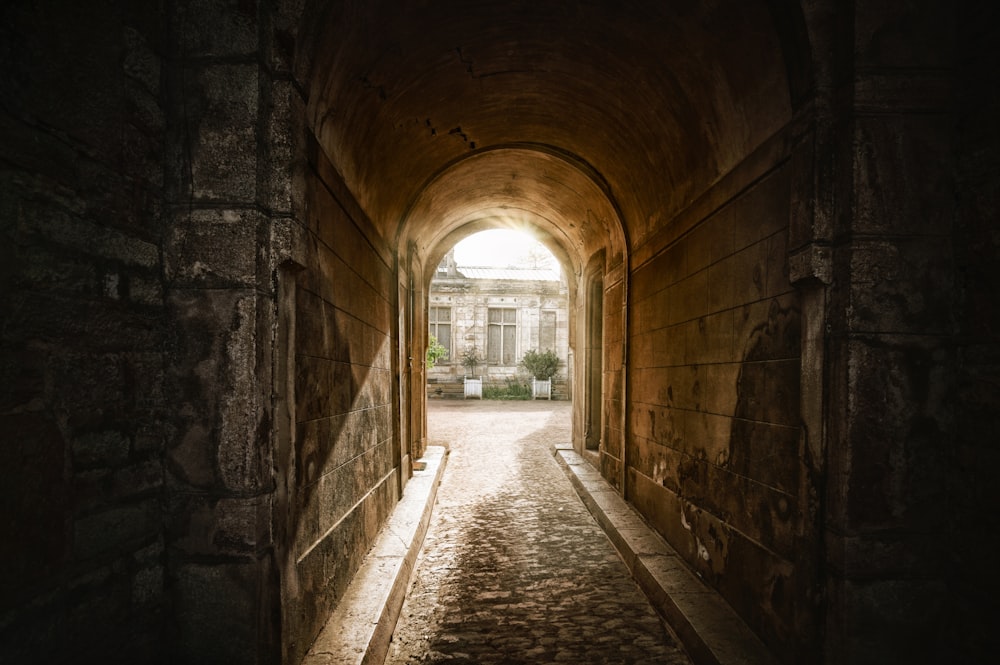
514,568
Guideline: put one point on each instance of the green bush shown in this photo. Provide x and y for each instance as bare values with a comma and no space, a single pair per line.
435,351
540,364
510,390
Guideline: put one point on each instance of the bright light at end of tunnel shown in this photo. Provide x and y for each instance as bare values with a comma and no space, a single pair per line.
503,248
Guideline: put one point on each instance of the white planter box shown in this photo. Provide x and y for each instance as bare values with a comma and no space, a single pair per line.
473,388
541,389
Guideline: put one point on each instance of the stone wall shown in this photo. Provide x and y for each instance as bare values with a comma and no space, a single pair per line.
346,470
230,208
204,360
713,444
890,316
82,402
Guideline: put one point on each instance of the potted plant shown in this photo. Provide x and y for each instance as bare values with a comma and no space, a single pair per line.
473,385
541,365
471,360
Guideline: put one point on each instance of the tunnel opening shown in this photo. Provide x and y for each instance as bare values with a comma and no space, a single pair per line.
632,212
219,222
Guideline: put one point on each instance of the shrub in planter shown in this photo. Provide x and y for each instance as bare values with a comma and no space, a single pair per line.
471,359
540,364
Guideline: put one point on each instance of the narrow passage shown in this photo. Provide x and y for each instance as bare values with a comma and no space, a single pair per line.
514,569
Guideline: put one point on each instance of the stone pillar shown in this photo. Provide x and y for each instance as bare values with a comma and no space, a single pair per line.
889,315
231,223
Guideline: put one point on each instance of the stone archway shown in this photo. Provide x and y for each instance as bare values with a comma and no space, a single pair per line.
216,213
533,187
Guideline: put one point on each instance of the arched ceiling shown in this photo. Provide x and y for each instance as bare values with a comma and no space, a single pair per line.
439,113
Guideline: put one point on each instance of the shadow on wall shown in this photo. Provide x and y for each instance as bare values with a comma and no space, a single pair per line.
342,477
743,510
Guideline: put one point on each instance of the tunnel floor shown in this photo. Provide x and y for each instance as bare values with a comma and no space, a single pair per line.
514,568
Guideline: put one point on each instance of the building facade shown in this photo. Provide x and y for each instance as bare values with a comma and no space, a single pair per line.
496,315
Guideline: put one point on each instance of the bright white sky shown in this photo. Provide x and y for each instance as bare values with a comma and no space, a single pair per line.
498,248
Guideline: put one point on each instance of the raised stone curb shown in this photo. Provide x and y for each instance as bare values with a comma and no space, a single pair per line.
711,632
360,629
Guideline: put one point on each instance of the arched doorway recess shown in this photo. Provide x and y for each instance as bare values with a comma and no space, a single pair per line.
521,187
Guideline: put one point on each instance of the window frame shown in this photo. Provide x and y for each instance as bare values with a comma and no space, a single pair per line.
505,329
433,326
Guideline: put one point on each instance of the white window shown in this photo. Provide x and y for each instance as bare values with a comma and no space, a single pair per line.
501,338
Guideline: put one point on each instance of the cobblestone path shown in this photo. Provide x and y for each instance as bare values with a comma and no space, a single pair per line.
514,569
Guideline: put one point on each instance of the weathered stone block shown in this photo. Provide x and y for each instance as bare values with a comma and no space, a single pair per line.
898,413
213,377
776,259
213,248
216,29
283,180
901,286
665,269
902,179
745,281
768,330
148,588
723,277
101,449
651,312
666,347
323,388
328,443
220,137
710,339
706,436
716,387
325,565
675,386
763,210
95,487
766,452
662,508
210,526
117,527
687,298
214,600
766,591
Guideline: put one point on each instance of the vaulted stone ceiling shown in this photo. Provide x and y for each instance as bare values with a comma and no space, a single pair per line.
576,114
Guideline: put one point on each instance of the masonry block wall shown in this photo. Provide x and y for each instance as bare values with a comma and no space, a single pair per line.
714,432
347,481
226,202
891,315
82,402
